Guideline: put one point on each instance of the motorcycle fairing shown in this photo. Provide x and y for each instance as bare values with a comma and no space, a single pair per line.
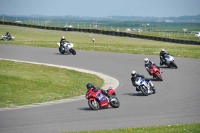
101,97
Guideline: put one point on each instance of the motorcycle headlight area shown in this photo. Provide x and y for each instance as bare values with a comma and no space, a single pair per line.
87,96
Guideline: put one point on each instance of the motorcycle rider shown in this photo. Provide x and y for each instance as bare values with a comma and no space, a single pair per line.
134,75
8,36
148,64
163,53
62,40
94,89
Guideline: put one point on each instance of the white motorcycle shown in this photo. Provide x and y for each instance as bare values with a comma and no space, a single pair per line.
67,48
5,38
169,61
144,86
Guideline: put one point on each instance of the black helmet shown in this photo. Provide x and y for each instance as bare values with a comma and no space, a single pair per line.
89,86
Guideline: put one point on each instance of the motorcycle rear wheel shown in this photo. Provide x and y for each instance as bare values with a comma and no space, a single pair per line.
115,104
93,104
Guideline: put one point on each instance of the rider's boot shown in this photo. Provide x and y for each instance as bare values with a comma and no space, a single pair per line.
161,63
137,89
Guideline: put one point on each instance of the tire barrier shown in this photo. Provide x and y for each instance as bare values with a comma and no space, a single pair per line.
108,32
112,33
80,30
103,32
99,32
75,29
70,29
95,31
121,33
53,28
90,30
85,30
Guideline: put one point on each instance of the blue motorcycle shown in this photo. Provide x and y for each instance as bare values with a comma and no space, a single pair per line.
144,86
169,61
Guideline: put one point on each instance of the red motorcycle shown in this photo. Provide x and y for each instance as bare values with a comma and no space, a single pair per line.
155,72
97,100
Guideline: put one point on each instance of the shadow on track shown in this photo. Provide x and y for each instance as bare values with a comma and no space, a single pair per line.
63,54
89,109
134,94
165,67
154,79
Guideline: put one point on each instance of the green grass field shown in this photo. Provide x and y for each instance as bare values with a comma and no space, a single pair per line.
22,83
83,41
162,27
182,128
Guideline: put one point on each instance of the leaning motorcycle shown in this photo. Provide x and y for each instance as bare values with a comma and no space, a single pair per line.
97,100
169,61
5,38
155,72
143,85
67,48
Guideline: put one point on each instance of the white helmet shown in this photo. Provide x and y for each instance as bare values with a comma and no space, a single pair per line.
133,73
63,37
163,50
146,60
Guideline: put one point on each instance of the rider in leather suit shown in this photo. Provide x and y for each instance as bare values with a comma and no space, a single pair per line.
8,36
134,75
94,89
163,53
148,64
63,40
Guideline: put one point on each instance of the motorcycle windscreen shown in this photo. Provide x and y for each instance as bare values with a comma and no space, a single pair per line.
139,81
167,57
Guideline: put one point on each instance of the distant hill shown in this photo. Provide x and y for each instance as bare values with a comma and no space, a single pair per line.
193,19
191,23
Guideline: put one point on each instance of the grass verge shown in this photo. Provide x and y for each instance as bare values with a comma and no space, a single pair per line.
182,128
24,83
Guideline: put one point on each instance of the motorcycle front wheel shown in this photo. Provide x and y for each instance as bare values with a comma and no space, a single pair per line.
144,90
61,50
173,64
159,77
73,51
114,102
93,104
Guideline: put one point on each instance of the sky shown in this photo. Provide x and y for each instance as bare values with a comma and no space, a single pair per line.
101,8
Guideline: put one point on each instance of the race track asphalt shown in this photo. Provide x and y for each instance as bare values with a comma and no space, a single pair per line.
176,101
